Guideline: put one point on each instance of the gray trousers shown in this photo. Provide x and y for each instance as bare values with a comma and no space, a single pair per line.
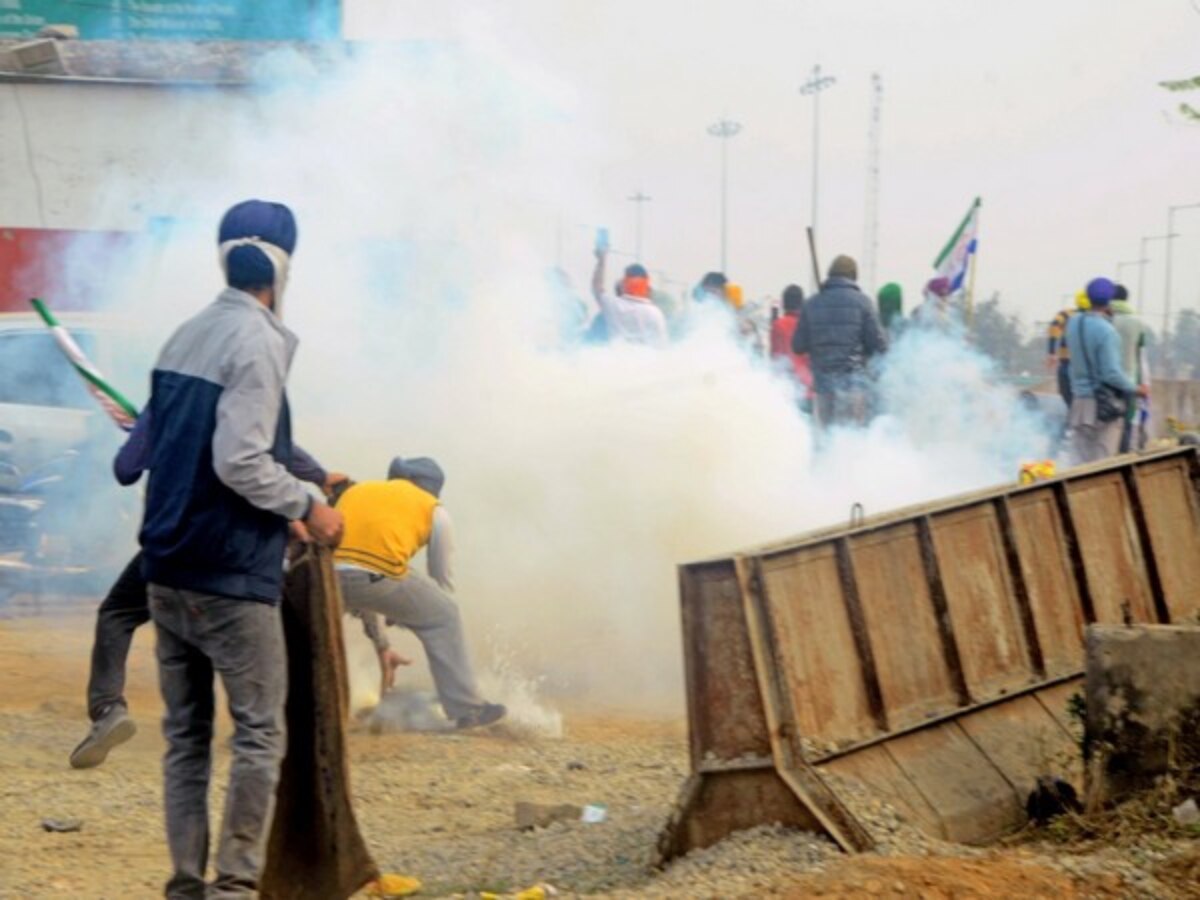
242,641
416,603
1091,439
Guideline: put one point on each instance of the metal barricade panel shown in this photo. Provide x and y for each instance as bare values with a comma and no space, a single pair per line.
1050,582
914,677
724,703
879,773
1021,739
934,655
981,601
1173,522
1112,554
971,797
822,672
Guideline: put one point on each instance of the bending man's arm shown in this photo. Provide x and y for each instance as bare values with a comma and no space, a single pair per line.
441,549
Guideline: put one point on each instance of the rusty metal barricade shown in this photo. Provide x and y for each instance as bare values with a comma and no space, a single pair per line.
929,654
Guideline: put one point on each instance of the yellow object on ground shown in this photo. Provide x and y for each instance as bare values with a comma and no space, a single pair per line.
537,892
1037,471
388,886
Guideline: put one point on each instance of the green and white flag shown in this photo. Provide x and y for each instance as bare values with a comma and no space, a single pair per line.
113,402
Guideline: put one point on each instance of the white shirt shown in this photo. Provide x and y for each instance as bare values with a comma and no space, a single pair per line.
634,320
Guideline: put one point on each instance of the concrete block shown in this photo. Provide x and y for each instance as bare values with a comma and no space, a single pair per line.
1143,706
39,57
8,60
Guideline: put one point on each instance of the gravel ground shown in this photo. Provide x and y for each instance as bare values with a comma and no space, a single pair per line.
441,807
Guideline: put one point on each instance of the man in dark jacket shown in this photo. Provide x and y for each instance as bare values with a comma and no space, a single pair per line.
218,503
840,332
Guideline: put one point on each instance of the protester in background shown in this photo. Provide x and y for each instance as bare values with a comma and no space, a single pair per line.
891,308
935,310
214,535
387,524
840,332
1058,360
1134,336
629,314
1099,387
711,288
126,608
782,331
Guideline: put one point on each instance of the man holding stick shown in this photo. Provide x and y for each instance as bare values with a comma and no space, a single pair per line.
218,504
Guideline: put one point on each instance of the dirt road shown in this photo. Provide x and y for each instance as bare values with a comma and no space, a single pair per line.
441,807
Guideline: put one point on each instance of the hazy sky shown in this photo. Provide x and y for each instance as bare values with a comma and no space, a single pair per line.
1050,111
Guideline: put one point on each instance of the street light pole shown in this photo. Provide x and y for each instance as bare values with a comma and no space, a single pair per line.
812,88
1121,268
1171,210
1142,263
639,198
724,129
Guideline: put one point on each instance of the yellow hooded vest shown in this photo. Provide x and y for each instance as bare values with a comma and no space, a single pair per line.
387,523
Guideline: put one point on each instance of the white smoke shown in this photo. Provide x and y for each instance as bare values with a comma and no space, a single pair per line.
426,185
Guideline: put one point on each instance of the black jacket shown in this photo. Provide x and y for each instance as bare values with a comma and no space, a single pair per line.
839,330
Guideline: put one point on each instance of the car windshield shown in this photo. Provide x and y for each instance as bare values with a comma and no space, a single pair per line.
34,372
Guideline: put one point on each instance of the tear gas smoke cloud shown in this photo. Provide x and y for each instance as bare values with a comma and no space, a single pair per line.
578,478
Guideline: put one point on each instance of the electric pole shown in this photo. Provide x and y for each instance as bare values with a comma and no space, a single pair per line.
639,198
724,129
871,218
813,88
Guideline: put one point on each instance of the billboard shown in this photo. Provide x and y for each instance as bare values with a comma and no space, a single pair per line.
197,20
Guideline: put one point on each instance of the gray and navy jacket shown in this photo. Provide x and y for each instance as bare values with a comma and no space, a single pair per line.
839,330
220,495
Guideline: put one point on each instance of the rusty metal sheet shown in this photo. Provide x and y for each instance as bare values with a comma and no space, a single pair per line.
914,676
1021,739
932,653
823,674
874,769
1057,701
1170,507
969,794
981,601
724,703
1112,555
1049,581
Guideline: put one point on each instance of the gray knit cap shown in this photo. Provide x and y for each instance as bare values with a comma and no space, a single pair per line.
421,471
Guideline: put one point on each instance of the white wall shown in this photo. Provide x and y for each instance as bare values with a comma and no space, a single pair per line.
60,144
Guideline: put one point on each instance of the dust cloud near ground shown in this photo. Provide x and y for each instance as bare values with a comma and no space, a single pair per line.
440,807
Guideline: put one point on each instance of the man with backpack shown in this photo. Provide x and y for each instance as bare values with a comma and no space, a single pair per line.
1101,391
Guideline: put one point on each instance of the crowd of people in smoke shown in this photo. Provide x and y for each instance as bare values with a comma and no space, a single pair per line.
828,343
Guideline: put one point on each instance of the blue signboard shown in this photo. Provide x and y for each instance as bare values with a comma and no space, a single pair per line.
196,20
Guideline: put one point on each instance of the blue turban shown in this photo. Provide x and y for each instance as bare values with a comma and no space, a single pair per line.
1101,291
247,265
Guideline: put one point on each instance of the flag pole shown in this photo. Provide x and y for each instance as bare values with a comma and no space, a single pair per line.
974,262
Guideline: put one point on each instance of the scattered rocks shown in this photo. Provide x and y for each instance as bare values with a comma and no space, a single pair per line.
540,815
62,826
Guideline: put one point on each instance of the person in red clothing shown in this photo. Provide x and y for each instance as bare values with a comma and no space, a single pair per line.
782,330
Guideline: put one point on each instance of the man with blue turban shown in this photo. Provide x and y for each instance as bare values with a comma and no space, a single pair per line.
1101,391
218,504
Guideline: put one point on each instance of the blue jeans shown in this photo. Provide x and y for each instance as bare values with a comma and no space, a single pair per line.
242,641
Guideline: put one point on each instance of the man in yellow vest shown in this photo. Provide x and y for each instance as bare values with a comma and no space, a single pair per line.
387,524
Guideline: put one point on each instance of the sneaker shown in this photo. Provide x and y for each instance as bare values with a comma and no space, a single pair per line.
111,730
485,714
